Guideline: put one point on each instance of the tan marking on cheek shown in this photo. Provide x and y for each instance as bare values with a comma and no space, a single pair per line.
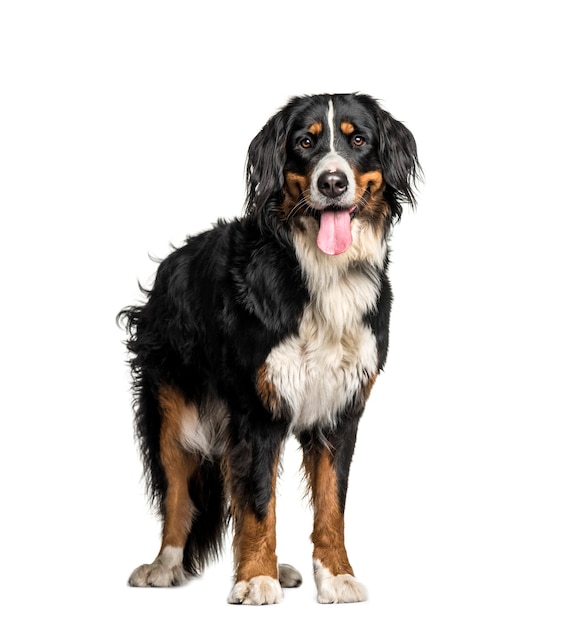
373,207
347,128
372,181
296,183
329,526
296,187
315,128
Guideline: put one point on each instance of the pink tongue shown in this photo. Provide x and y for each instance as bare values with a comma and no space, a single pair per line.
334,235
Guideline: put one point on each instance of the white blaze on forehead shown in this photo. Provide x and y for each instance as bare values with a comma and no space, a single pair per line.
332,162
331,123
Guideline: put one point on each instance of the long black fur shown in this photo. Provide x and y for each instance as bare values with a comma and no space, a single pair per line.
219,305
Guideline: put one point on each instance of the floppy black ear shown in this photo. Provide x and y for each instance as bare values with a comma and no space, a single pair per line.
399,160
265,164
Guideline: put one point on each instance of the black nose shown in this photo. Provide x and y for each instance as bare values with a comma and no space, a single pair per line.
332,184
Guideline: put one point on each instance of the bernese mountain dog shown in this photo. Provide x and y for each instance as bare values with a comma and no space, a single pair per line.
271,325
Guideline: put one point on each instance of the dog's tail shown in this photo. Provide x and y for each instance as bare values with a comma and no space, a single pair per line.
205,541
206,486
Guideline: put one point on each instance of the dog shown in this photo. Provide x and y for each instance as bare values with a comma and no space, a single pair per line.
271,325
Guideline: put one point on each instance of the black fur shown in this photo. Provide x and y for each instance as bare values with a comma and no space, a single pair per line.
222,302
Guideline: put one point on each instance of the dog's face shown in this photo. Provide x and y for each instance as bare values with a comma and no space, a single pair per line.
332,171
332,159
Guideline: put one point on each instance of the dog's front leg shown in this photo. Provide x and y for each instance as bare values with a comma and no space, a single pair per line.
327,468
252,475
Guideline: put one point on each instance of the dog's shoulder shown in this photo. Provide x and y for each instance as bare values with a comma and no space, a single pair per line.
239,274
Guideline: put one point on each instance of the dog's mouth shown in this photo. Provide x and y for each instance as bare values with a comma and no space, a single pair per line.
334,230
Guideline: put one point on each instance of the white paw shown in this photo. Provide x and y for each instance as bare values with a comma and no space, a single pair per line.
336,589
165,571
258,590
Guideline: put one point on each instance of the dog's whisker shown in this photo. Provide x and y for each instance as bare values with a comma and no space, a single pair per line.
299,207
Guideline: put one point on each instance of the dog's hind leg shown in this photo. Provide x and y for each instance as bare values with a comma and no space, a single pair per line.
178,509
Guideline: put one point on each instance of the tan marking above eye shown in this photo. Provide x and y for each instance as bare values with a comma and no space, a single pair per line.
347,128
315,128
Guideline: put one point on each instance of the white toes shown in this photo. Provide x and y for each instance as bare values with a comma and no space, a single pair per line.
258,590
156,575
336,589
165,571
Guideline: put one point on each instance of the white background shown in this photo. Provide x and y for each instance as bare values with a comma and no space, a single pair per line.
124,127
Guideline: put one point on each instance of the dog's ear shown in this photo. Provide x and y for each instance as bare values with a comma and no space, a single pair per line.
399,160
265,164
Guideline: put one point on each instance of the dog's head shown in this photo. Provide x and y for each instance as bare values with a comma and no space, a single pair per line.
331,160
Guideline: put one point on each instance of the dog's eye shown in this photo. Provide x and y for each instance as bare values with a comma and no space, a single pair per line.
306,142
358,141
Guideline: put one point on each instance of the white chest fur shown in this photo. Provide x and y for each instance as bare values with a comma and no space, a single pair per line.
320,369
